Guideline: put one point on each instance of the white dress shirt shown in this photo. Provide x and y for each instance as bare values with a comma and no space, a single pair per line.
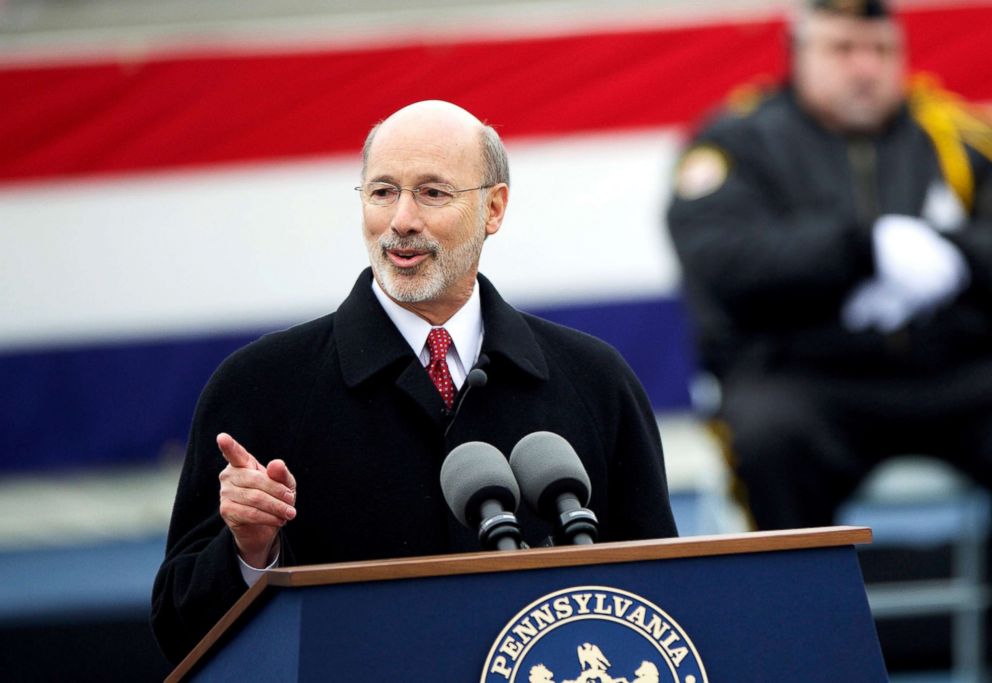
465,328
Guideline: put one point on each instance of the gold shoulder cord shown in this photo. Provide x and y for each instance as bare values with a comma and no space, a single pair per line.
953,126
744,99
736,488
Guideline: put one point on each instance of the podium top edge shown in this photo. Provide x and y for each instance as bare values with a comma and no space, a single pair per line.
544,558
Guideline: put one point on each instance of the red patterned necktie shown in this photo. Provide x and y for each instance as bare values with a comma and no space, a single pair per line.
438,342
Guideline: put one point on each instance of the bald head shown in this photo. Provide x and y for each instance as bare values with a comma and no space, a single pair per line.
434,112
448,130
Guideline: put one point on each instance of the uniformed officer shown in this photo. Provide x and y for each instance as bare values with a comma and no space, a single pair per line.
836,241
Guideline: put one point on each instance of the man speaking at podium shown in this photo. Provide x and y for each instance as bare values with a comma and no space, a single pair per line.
328,438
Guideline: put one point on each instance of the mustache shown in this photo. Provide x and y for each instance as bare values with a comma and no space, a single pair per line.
419,243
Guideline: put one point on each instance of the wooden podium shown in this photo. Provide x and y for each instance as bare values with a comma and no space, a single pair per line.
767,607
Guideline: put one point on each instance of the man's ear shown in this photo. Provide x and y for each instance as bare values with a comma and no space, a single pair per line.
496,207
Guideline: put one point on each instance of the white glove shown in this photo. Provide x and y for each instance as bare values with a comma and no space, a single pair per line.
917,271
916,260
875,303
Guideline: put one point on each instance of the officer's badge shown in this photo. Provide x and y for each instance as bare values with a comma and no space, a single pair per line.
702,171
593,634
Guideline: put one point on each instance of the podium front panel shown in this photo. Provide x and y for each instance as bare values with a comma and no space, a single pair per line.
275,629
789,616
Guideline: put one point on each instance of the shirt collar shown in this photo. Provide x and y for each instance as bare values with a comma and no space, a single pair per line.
465,326
369,343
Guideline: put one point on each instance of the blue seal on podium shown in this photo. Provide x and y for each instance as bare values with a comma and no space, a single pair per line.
593,634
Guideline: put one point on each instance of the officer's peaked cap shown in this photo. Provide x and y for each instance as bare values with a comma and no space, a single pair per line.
854,8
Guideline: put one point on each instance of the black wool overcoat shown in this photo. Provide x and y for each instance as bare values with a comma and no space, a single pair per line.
349,407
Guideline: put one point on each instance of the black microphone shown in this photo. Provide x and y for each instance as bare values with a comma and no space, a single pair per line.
481,491
556,485
476,377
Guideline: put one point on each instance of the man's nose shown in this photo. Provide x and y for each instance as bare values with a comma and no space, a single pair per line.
868,61
407,217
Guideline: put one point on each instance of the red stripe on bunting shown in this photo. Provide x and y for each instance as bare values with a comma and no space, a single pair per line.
193,110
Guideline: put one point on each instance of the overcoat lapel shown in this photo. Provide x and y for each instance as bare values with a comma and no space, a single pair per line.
507,334
369,344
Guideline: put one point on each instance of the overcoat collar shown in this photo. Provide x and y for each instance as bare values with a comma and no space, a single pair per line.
368,342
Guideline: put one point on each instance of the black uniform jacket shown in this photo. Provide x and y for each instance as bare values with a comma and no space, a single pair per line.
770,255
349,407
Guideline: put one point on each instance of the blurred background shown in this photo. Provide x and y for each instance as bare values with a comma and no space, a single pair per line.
176,179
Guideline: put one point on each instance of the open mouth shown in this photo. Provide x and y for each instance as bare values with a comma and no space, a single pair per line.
406,258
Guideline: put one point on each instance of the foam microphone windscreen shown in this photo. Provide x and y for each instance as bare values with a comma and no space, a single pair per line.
547,466
473,473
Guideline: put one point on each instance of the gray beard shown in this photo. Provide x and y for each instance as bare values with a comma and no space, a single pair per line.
431,278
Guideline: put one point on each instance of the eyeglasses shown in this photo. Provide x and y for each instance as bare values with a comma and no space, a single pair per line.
428,194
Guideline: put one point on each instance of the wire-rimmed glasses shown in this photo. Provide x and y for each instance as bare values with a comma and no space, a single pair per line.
428,194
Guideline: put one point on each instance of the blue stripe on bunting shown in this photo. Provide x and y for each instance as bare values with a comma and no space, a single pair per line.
128,403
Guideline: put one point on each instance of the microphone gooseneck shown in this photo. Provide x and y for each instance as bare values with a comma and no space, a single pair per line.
481,491
554,482
476,377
